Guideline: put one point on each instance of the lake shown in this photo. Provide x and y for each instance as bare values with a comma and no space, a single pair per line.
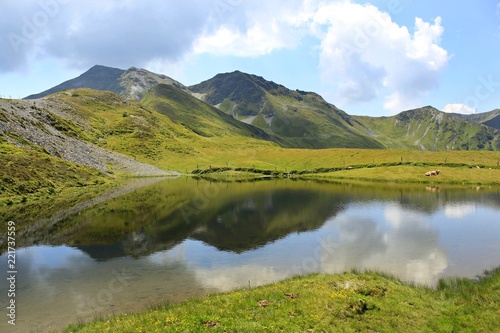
177,239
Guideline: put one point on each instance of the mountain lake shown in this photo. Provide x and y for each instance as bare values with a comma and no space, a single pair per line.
177,239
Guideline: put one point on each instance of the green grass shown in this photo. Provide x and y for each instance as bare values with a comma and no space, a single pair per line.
199,117
416,174
350,302
28,173
364,164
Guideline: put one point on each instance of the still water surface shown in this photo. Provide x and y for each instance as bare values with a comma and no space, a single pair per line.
184,238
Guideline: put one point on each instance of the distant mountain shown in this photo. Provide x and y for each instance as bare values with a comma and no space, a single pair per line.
430,129
131,84
491,118
300,119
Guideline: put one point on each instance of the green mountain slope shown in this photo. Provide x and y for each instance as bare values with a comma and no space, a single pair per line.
98,129
249,106
430,129
301,119
168,129
201,118
131,84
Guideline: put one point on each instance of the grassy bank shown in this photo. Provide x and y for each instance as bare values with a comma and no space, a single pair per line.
399,172
350,302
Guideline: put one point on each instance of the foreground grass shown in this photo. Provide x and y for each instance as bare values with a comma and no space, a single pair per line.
350,302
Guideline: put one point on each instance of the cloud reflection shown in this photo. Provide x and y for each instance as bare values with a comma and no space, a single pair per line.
459,210
407,248
230,278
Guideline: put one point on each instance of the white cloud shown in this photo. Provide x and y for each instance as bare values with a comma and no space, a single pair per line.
365,54
459,108
85,33
255,41
263,26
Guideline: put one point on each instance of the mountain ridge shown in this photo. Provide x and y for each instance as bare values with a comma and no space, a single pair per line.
301,119
491,118
199,117
132,83
295,118
428,128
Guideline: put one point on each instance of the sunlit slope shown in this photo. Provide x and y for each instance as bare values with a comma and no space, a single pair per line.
169,128
201,118
430,129
128,127
301,119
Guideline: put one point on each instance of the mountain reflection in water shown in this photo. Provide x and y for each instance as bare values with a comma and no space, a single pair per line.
184,238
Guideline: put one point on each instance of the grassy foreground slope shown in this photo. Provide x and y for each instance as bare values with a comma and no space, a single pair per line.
25,173
350,302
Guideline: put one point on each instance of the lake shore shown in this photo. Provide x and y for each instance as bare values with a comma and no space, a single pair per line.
346,302
399,172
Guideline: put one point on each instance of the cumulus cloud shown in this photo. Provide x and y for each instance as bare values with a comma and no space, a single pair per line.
130,32
84,33
268,26
362,52
125,33
365,53
459,108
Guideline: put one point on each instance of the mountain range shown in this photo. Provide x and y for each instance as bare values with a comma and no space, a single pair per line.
295,119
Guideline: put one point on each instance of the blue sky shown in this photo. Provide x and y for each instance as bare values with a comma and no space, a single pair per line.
375,57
